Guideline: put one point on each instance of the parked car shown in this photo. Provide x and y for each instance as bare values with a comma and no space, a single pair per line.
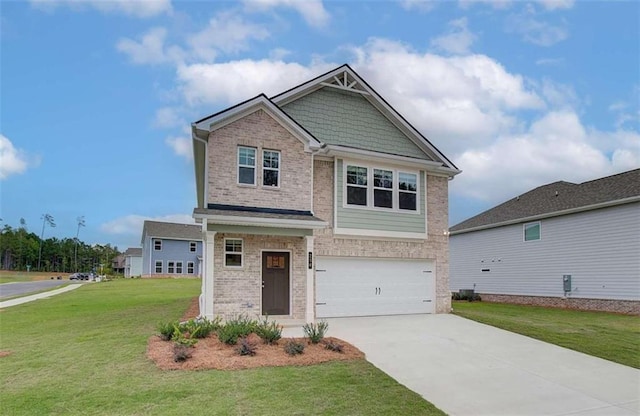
79,276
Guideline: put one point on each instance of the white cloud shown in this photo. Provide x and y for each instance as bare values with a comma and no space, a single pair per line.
132,224
181,146
423,6
12,161
556,4
150,49
550,61
555,147
134,8
167,117
312,11
458,39
536,31
225,32
559,95
496,4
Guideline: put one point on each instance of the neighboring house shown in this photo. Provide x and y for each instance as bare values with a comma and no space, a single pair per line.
171,250
117,264
322,201
562,244
133,262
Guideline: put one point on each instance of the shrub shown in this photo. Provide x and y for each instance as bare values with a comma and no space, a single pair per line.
270,332
333,346
166,330
201,327
293,347
315,332
181,353
466,294
183,339
241,326
246,347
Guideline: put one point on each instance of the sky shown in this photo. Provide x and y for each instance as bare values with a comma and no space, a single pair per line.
97,97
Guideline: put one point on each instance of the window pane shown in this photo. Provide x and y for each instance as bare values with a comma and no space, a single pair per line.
356,195
383,199
407,201
233,259
247,156
246,175
383,178
270,177
532,232
407,182
233,246
356,175
271,160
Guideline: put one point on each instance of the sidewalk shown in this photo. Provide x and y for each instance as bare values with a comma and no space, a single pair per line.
43,295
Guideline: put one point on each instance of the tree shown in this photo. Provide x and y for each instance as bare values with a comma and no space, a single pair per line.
46,219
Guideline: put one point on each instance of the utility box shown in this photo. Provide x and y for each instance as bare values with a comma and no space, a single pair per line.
566,282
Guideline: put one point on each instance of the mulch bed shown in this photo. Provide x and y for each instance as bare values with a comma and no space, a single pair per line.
210,353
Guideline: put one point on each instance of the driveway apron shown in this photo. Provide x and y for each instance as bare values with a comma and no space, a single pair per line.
467,368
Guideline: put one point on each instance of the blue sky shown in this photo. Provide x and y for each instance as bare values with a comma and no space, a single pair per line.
97,97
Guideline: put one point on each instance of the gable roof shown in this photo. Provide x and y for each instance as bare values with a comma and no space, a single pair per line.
133,251
171,231
557,198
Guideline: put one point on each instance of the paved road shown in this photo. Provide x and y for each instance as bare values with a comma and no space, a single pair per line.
21,288
467,368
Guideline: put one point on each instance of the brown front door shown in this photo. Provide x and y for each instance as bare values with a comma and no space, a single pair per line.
275,283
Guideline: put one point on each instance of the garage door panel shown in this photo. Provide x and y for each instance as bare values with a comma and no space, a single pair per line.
365,287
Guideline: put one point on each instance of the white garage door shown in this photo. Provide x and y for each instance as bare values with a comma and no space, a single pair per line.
365,287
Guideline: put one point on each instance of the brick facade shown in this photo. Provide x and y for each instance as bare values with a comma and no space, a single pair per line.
629,307
261,131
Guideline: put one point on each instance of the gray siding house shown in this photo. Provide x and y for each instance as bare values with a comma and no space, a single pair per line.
133,262
171,250
321,201
562,245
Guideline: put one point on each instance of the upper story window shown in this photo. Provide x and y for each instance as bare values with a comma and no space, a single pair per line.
356,185
157,244
271,168
193,246
532,231
247,165
387,189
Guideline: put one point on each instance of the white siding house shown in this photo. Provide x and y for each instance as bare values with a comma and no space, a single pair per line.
562,244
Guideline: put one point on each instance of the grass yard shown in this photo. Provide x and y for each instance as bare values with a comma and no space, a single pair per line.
606,335
21,276
83,352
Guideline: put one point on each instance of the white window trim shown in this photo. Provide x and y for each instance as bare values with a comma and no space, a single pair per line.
277,170
153,241
225,252
195,246
155,267
174,267
193,267
370,188
524,231
181,267
255,167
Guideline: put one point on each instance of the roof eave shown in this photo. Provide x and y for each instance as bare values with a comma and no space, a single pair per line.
260,222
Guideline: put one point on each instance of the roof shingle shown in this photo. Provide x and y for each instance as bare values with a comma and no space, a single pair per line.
171,230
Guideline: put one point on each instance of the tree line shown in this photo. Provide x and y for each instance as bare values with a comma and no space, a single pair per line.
23,250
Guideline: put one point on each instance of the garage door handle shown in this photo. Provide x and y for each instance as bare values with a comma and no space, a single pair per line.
427,300
426,271
318,270
321,303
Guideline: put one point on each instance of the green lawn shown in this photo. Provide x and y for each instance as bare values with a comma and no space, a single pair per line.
606,335
21,276
83,352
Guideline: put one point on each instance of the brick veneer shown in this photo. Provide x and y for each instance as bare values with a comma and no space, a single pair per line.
261,131
629,307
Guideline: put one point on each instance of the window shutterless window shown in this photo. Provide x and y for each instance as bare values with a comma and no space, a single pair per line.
532,231
356,185
271,168
247,165
233,252
193,246
407,191
171,267
382,188
157,245
158,266
190,267
179,267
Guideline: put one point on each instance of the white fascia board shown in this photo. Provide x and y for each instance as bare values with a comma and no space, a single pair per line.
377,233
348,152
261,222
261,102
550,215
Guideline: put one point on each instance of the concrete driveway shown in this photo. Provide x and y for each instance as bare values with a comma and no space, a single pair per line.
21,288
467,368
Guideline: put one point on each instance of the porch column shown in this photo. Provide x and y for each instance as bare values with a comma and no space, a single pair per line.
311,267
206,297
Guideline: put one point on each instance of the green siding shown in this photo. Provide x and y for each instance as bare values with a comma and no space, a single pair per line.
366,219
348,119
